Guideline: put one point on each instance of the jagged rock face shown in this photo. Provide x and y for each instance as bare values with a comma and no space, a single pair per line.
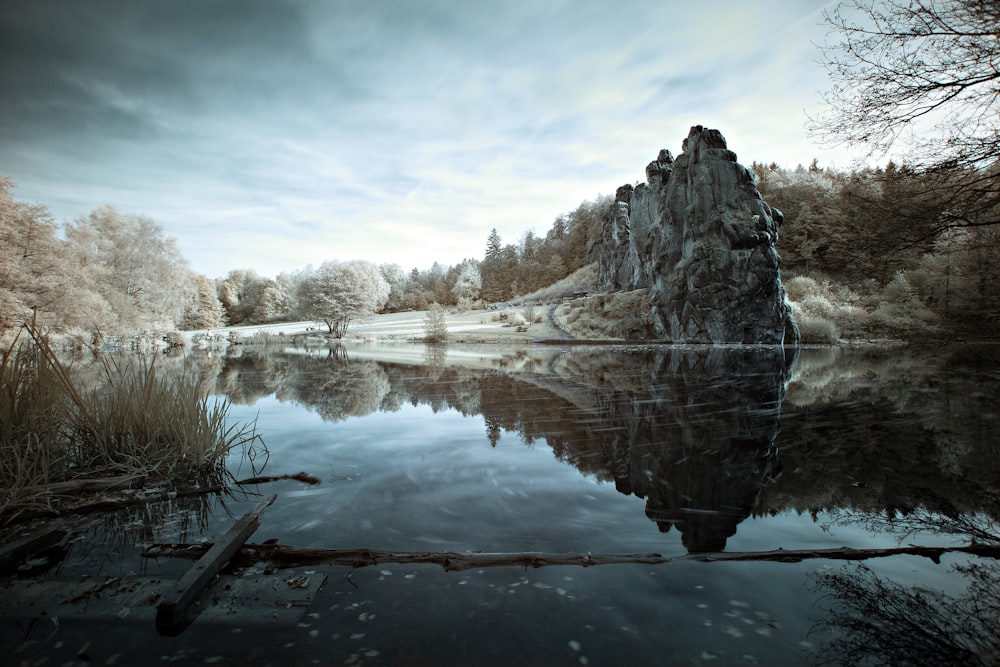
701,238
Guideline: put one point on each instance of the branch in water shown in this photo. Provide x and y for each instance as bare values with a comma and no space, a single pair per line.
299,477
282,556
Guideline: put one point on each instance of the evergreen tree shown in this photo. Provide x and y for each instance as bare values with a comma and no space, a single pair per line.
435,327
491,269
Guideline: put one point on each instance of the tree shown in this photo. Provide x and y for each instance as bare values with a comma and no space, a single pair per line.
139,272
491,270
923,75
468,283
339,292
239,293
39,275
397,280
204,311
435,326
901,63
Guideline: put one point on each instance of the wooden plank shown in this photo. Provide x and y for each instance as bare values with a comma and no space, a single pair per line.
179,600
15,553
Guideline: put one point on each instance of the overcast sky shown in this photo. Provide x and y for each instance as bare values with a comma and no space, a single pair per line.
271,135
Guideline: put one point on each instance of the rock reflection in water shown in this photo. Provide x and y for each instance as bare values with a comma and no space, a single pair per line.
700,444
691,430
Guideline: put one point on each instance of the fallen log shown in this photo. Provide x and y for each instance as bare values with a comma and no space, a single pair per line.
170,612
282,556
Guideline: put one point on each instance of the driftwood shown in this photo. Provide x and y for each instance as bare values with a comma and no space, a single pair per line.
282,556
298,477
170,612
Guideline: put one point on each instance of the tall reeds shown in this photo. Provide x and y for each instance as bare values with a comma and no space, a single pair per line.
60,422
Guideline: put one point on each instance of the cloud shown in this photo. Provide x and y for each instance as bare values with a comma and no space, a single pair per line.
271,134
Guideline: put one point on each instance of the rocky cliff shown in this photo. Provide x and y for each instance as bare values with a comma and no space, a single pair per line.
699,236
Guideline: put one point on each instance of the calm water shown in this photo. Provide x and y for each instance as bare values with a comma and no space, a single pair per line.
624,451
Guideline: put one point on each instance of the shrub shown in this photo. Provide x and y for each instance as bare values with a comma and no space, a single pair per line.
517,319
435,326
815,329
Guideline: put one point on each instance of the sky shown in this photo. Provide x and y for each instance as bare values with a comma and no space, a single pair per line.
276,134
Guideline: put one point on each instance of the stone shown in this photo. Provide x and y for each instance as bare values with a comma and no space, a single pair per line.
701,238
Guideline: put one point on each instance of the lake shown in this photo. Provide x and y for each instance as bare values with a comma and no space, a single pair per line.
598,450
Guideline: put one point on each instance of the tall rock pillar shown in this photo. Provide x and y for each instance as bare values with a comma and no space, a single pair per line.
702,239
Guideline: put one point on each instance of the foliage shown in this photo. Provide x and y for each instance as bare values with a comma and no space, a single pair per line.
59,423
138,272
879,622
468,284
435,327
536,262
113,273
39,278
248,298
338,292
925,76
825,312
205,311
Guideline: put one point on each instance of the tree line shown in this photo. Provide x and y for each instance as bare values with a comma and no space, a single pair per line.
878,241
863,243
111,272
327,293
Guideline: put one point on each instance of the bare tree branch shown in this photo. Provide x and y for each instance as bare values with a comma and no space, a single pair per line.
924,74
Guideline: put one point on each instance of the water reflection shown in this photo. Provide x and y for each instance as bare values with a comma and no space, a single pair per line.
697,432
876,621
691,431
896,442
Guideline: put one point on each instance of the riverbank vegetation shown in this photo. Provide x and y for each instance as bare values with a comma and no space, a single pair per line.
61,424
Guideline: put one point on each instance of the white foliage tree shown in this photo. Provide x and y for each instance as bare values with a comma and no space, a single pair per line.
205,311
338,293
133,266
468,285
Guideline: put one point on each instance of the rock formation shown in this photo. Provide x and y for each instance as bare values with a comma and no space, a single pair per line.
699,236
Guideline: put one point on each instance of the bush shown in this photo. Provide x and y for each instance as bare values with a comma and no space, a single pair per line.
826,312
815,329
517,319
435,326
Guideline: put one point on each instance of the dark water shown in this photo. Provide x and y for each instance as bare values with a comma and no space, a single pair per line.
621,451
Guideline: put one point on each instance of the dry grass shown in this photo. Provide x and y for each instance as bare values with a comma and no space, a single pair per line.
603,316
56,425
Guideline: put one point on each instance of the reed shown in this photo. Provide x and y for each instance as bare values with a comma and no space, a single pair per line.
127,418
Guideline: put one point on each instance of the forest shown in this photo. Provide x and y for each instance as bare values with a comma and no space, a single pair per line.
866,253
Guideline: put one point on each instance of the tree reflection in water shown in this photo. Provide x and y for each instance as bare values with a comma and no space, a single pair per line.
895,441
693,431
696,431
878,622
